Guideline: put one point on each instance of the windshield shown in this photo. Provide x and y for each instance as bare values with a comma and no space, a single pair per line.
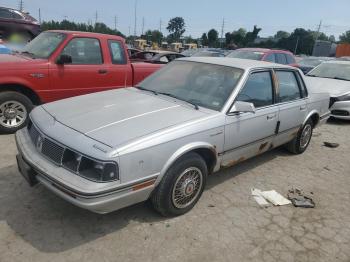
311,62
332,70
205,85
44,44
246,54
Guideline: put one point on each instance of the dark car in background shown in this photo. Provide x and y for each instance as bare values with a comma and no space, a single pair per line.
263,54
308,63
14,22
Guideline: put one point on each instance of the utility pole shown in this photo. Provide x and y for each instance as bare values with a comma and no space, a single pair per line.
96,17
21,6
39,16
143,25
160,25
296,46
135,18
129,30
222,31
318,30
115,22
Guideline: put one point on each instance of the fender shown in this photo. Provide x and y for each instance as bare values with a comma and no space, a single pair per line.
6,80
182,151
314,111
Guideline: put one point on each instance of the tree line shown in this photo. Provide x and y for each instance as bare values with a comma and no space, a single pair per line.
300,41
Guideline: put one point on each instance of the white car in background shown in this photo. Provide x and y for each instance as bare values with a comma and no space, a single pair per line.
333,77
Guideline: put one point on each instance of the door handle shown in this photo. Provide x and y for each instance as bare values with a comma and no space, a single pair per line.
102,71
302,108
270,117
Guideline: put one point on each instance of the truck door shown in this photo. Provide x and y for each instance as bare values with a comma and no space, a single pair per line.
86,73
249,134
121,74
292,105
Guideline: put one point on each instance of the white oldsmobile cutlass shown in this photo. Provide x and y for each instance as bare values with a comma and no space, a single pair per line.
161,139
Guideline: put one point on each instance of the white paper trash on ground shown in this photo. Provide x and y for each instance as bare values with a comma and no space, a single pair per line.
275,198
256,193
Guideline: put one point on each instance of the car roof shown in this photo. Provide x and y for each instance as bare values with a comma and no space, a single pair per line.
244,64
264,50
340,62
88,34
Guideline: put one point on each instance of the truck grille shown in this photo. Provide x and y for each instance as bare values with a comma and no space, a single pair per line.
47,147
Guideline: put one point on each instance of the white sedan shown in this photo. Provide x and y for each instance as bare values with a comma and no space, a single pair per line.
333,77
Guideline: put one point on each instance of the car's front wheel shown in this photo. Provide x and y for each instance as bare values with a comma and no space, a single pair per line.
181,186
14,110
300,143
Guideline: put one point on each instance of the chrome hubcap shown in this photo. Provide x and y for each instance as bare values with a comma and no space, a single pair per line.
12,114
305,136
187,187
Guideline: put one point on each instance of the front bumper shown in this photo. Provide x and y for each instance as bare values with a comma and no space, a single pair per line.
341,110
76,190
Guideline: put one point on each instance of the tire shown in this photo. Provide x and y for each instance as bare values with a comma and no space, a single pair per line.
14,110
188,171
300,143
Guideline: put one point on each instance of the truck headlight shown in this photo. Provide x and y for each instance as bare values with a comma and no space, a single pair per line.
95,170
344,97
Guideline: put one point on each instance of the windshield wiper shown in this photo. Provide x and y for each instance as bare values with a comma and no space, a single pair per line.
28,53
148,90
341,78
179,98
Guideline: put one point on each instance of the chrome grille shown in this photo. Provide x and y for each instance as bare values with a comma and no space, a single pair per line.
45,146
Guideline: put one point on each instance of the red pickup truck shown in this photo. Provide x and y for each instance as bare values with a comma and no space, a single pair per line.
62,64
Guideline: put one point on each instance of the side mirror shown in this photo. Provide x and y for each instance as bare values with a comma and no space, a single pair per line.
242,107
64,59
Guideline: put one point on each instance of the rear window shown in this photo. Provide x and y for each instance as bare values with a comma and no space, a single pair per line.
246,54
281,58
290,59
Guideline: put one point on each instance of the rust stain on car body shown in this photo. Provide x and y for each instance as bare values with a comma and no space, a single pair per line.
234,162
263,146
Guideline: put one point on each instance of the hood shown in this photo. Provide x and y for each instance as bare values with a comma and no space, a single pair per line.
17,61
118,117
334,87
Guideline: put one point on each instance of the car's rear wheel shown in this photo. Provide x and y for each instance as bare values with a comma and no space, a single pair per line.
301,142
181,186
14,110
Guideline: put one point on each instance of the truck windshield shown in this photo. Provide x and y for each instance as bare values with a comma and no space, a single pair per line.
44,44
201,84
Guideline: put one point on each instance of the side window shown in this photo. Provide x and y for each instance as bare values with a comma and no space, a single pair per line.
281,59
288,86
84,51
4,13
257,90
290,59
16,15
164,59
270,58
117,52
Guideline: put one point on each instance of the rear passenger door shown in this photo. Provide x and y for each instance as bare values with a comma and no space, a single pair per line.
291,103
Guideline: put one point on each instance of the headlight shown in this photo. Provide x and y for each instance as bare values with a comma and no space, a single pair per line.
95,170
344,97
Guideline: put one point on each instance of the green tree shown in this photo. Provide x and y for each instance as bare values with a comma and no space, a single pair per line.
213,38
281,34
204,39
176,28
155,36
251,36
345,38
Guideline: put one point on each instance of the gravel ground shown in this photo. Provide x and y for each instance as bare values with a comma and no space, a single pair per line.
226,224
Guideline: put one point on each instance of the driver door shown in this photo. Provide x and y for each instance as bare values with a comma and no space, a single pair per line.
250,134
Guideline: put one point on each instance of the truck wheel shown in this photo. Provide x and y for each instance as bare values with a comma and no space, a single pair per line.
181,186
14,110
300,143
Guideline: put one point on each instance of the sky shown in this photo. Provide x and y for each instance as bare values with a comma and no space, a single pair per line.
200,15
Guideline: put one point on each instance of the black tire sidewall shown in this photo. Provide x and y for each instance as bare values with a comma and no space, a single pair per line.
20,98
169,179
